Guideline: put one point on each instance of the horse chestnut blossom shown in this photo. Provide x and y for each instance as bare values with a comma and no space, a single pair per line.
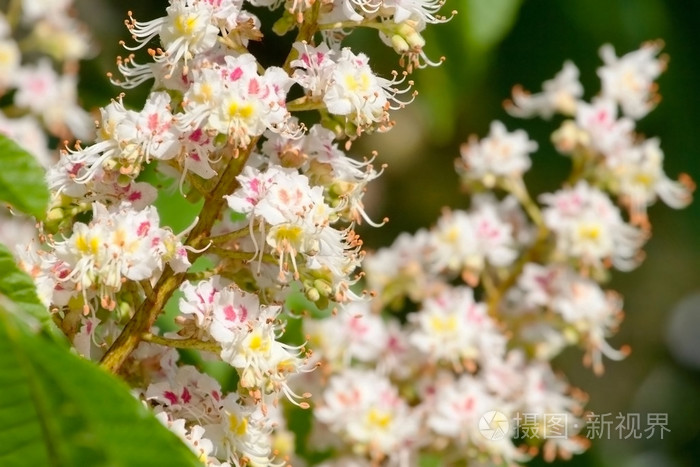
395,354
589,227
559,95
368,413
94,262
538,264
501,155
467,242
629,79
347,86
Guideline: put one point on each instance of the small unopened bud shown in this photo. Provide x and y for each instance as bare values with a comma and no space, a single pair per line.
399,44
285,24
340,188
55,215
411,36
323,287
292,158
220,139
313,294
568,137
320,172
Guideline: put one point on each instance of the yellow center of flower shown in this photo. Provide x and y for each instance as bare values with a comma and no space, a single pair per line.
442,325
644,179
379,418
185,24
359,83
87,246
236,109
238,426
258,344
590,232
292,234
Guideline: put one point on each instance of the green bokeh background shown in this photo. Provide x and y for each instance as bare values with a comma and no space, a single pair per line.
490,46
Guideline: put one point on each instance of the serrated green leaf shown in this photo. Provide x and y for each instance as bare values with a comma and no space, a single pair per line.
22,182
57,409
19,289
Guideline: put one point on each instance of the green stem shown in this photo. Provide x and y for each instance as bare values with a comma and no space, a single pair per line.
227,237
496,293
14,14
517,188
352,24
242,255
579,167
147,289
305,103
144,317
307,30
214,204
182,343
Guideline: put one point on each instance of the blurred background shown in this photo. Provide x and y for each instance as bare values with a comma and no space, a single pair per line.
490,46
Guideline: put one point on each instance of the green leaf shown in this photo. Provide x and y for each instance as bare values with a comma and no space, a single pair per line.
487,22
57,409
22,179
19,289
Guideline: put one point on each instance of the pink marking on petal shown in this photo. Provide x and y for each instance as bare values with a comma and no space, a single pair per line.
358,326
199,296
76,168
196,135
153,122
171,396
236,74
473,315
230,313
394,344
255,185
143,229
465,406
253,87
38,86
186,396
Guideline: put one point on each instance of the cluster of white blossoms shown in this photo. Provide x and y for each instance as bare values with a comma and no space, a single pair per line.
280,200
214,424
93,263
454,321
600,136
246,331
442,353
40,46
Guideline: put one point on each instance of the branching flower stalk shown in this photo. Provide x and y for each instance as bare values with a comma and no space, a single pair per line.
455,321
169,281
